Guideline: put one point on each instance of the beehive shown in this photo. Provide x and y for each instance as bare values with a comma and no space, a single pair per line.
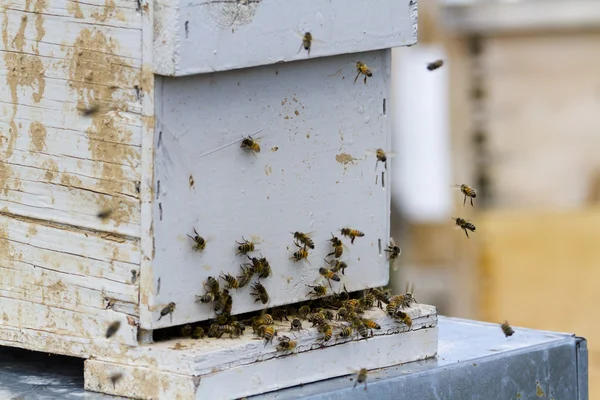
139,108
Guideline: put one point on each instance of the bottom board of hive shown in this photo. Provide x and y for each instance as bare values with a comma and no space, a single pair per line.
229,368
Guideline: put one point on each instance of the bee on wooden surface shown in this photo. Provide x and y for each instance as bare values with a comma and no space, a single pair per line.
264,319
306,42
186,330
223,319
296,325
260,293
392,306
198,333
362,68
342,313
404,318
338,266
112,329
267,333
432,66
221,299
351,233
327,332
229,329
361,377
381,296
317,291
89,110
507,329
303,312
212,286
206,298
199,241
468,191
239,326
245,246
263,268
228,303
371,324
116,377
345,332
286,344
250,144
246,277
280,314
335,241
213,331
367,301
465,225
316,318
304,239
301,254
104,213
394,252
329,275
361,329
232,282
168,310
351,304
338,247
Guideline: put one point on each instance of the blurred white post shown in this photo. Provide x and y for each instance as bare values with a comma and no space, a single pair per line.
422,176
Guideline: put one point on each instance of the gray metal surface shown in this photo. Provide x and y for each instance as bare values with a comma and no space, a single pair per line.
475,361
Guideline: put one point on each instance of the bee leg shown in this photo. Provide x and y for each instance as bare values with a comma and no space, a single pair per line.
365,81
365,385
352,239
465,200
472,202
467,233
357,75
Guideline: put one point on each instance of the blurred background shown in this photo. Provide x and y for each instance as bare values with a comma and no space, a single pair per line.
515,113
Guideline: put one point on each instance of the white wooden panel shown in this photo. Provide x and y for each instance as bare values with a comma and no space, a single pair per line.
311,113
201,36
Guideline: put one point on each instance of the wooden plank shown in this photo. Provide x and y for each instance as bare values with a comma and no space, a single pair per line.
309,159
202,36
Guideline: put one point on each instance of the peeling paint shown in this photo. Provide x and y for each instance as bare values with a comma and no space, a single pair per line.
38,133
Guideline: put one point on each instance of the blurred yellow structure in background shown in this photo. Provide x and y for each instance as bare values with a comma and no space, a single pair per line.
524,86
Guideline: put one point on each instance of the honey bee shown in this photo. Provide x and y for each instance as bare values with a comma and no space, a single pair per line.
267,333
361,377
91,109
360,328
112,329
465,225
507,329
199,242
250,144
392,306
327,332
232,282
393,252
186,330
245,247
213,331
404,318
468,191
229,329
296,325
303,312
301,254
351,233
316,318
212,286
371,324
280,314
367,301
304,239
221,299
432,66
263,268
338,247
116,377
351,304
329,275
286,344
246,277
167,310
306,42
260,293
381,296
342,313
338,266
317,291
362,68
345,332
206,298
228,303
198,333
105,213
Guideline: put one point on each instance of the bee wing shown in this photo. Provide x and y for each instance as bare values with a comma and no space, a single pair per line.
392,242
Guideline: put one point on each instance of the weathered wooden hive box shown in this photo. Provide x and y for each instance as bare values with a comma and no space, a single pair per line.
137,110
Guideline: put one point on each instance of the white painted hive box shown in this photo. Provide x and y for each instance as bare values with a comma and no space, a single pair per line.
170,88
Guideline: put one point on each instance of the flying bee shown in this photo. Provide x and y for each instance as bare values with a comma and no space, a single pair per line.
250,144
212,286
351,233
394,252
245,247
329,275
306,42
361,377
296,325
327,332
112,329
104,213
507,329
199,241
88,110
167,310
337,266
206,298
198,333
404,318
304,239
116,377
432,66
468,191
232,282
301,254
382,156
465,225
267,333
286,344
317,291
260,293
362,68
